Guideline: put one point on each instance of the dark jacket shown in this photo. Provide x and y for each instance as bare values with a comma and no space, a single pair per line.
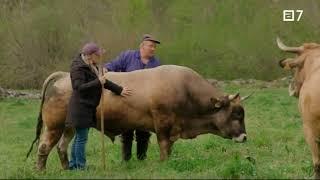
85,95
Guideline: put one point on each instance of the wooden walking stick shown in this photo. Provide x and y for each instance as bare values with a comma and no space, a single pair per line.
102,121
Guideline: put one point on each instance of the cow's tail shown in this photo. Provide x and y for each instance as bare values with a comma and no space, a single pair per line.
52,77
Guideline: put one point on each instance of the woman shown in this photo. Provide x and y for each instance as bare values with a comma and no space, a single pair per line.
87,89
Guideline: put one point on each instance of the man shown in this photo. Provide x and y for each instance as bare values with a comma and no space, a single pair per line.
87,88
132,60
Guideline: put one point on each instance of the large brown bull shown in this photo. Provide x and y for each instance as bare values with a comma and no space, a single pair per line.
172,101
305,86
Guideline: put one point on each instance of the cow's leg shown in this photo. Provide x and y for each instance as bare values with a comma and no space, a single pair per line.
142,138
170,147
62,147
163,124
48,139
165,146
126,139
312,136
164,121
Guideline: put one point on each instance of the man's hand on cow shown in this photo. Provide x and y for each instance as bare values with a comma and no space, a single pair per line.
126,92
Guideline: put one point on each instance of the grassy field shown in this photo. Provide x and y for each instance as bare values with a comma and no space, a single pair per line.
275,148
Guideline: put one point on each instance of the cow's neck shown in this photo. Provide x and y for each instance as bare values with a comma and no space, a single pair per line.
197,126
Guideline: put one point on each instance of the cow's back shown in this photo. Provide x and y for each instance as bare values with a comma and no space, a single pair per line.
165,84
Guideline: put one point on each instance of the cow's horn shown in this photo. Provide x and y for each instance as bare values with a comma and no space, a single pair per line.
287,48
246,97
233,96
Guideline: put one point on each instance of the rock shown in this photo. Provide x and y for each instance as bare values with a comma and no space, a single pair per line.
251,81
213,81
4,93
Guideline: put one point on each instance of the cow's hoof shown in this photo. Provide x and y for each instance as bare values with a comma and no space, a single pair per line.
40,168
317,171
162,159
41,163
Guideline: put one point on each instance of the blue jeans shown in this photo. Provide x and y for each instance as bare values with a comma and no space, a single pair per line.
78,155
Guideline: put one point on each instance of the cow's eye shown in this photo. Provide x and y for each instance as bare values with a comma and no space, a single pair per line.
237,113
216,109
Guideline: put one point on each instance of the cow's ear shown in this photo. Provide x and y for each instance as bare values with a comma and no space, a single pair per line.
291,63
217,103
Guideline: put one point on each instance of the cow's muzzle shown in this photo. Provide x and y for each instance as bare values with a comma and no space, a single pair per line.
241,138
291,89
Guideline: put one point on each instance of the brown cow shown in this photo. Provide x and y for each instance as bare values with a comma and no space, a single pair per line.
305,86
172,101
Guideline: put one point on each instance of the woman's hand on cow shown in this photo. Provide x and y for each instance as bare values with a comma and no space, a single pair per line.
103,79
105,70
126,92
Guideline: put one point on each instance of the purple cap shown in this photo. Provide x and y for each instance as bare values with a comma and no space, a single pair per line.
92,48
148,37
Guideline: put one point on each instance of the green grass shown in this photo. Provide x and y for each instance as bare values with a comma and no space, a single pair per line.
275,148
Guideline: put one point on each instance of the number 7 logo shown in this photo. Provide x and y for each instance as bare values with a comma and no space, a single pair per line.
300,14
289,15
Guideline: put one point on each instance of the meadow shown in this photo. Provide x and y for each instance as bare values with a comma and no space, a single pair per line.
275,148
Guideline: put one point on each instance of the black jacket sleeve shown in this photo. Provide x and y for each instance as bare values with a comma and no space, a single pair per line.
79,83
113,87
